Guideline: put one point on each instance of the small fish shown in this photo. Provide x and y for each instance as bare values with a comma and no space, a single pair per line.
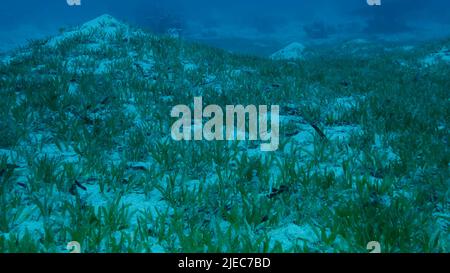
78,184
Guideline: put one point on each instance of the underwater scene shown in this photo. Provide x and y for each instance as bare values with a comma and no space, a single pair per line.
239,126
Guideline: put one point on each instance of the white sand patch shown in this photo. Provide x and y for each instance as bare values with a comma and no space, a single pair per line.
67,155
94,47
79,64
187,66
194,185
346,103
293,51
141,203
94,196
102,28
242,71
292,235
132,113
384,150
408,48
342,133
442,55
104,67
6,60
305,135
137,202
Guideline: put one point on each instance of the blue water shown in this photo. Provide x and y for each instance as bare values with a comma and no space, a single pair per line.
256,26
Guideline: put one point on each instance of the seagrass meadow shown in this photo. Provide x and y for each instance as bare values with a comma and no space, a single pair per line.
86,153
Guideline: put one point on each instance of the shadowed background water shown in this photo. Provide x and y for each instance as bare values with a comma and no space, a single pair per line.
248,26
